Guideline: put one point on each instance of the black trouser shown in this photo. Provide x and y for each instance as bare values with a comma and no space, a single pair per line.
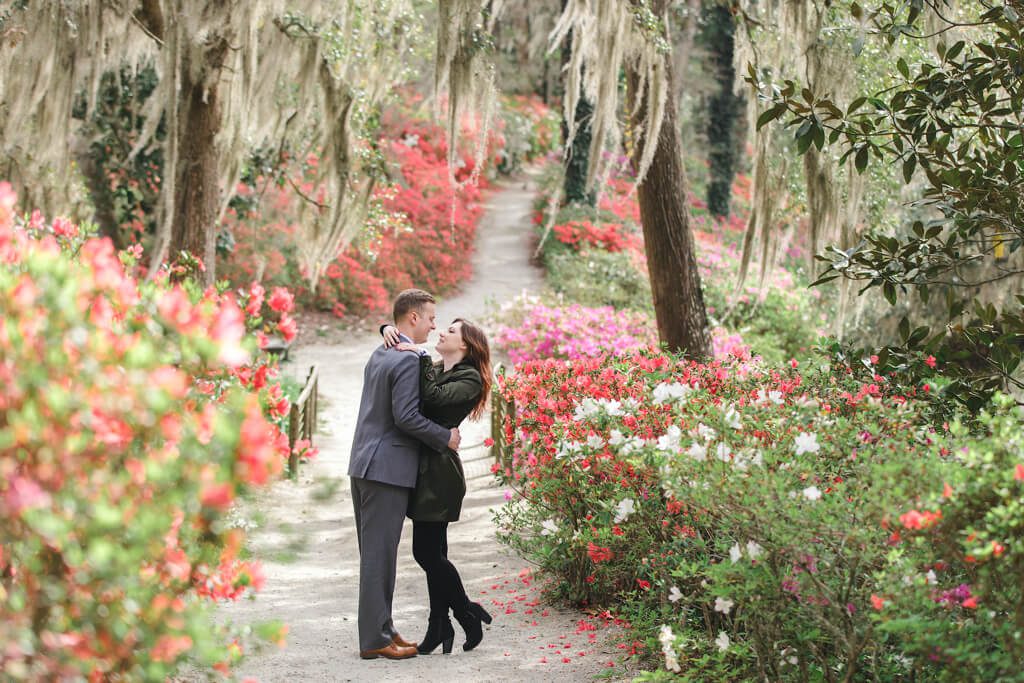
444,587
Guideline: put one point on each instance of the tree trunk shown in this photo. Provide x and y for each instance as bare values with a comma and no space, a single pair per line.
198,193
724,108
671,262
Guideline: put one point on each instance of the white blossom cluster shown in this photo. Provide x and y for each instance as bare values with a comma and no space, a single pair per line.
625,508
669,392
668,648
754,551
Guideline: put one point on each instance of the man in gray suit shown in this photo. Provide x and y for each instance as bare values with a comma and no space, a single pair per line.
383,468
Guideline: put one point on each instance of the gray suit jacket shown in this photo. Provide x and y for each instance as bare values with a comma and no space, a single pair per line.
386,444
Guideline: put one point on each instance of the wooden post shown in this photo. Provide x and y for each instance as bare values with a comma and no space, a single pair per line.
302,419
293,436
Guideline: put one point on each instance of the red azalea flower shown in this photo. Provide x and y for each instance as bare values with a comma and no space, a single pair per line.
288,328
281,300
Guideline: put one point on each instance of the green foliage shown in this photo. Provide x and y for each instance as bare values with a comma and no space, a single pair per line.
953,124
974,545
597,278
125,188
779,324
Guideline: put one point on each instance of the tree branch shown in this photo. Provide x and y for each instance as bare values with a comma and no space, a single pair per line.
151,19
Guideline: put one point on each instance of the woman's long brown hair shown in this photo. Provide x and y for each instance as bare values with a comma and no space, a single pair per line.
478,353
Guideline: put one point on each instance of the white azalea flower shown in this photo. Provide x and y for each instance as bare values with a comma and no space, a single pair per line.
754,550
698,452
615,438
732,418
668,392
812,493
722,452
611,407
705,432
722,641
585,409
670,440
723,605
668,648
624,509
674,594
806,443
631,445
735,553
930,576
769,397
548,527
595,441
568,449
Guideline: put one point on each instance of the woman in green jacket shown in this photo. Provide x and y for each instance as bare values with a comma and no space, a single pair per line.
451,390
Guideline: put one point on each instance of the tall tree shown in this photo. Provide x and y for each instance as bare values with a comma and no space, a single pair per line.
725,106
198,194
668,242
633,37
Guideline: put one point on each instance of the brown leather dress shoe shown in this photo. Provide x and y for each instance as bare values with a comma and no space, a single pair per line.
402,642
389,651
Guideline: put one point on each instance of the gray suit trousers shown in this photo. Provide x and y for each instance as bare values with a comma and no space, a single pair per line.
380,512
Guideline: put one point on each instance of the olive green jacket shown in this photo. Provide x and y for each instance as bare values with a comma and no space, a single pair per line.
446,398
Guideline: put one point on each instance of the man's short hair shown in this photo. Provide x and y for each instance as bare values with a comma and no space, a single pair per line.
410,300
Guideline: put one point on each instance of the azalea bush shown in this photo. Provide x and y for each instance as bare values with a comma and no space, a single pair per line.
743,518
574,331
132,416
533,330
954,589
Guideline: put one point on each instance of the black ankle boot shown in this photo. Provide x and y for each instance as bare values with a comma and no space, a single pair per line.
471,619
439,632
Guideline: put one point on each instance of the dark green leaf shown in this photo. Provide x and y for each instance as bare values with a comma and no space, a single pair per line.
770,115
860,161
909,164
889,292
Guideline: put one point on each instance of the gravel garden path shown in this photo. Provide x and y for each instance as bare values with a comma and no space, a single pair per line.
304,531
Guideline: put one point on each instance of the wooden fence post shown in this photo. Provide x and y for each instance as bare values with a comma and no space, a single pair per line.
302,419
293,437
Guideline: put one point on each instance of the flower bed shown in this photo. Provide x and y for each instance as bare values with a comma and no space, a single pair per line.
753,524
535,331
132,416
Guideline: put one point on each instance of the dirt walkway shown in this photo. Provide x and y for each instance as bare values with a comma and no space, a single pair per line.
306,537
